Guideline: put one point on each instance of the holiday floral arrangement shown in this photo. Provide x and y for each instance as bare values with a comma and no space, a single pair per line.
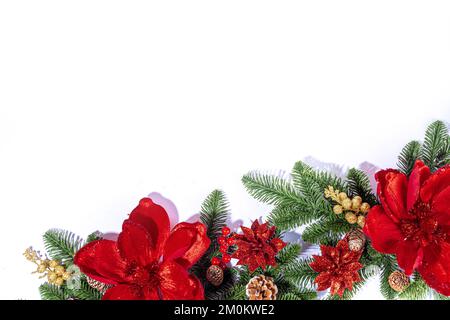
400,233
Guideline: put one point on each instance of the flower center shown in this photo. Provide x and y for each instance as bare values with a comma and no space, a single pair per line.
423,227
144,275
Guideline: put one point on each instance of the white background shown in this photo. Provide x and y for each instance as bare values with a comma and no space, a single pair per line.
104,102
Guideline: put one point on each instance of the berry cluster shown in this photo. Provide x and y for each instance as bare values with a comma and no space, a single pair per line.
355,209
225,242
55,272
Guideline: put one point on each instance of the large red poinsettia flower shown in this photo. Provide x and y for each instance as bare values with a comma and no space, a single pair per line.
337,267
413,222
257,246
148,261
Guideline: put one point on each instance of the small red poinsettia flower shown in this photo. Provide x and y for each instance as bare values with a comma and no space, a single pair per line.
413,222
148,261
257,247
337,267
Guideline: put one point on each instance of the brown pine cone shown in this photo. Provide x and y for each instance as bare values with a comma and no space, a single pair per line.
214,275
261,288
398,281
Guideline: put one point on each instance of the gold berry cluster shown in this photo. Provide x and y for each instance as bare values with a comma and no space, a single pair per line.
55,272
354,209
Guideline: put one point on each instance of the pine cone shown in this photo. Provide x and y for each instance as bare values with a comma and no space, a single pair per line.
261,288
398,281
99,286
356,240
214,275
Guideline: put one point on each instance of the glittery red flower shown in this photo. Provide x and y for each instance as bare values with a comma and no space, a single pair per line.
147,262
413,222
257,247
337,267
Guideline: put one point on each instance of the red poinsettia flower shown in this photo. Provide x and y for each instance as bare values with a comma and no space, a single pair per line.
257,247
337,267
147,262
413,222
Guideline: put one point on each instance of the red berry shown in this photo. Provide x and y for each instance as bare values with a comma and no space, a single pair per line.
222,241
226,231
223,266
215,261
231,241
226,258
223,249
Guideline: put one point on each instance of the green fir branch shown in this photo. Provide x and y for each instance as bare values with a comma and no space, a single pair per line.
417,289
303,176
269,189
437,296
408,157
94,236
327,231
289,216
436,140
388,265
238,292
52,292
288,254
214,213
359,185
62,245
301,274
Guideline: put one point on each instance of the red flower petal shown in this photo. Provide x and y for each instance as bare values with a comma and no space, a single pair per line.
187,243
323,280
176,283
408,255
124,292
392,190
441,207
435,267
154,218
384,233
255,225
438,182
135,243
419,174
101,261
321,264
248,233
197,291
354,266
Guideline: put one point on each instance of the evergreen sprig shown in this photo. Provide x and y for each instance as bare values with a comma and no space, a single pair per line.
359,185
417,289
52,292
434,149
388,266
269,189
214,213
408,157
62,245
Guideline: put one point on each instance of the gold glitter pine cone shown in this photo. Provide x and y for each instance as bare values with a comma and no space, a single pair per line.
398,281
97,285
261,288
214,275
356,240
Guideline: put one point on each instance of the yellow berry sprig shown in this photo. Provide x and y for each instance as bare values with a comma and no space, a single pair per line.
55,272
354,208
